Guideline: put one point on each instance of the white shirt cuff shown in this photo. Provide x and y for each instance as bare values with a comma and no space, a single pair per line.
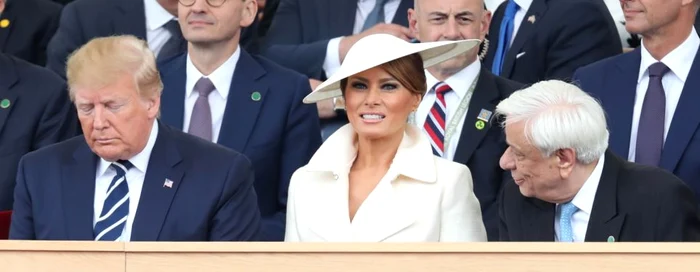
332,61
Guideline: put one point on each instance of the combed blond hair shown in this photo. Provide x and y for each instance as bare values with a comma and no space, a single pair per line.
103,61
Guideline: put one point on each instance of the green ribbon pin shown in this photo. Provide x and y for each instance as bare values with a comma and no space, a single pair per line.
255,96
5,103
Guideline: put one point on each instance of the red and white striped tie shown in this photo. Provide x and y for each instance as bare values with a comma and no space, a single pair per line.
435,122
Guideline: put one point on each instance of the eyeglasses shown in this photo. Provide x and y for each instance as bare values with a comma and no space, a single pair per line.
213,3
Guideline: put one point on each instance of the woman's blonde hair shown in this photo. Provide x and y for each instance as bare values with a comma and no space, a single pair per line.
103,61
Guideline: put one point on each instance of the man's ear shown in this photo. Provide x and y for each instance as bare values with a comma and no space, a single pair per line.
250,11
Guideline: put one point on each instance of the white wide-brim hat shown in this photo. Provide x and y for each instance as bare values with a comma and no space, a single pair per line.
377,49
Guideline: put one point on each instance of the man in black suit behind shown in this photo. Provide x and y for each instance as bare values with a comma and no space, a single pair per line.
151,20
26,26
478,147
549,39
34,112
569,188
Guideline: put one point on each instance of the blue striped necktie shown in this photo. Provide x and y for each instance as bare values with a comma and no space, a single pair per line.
115,211
504,35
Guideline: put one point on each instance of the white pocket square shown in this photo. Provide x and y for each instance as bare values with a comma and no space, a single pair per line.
519,55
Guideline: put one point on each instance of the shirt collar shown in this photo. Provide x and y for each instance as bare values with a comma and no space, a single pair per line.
586,195
524,4
140,161
156,15
414,157
459,82
676,60
221,77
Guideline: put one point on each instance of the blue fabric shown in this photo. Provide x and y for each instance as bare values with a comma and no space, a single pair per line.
506,32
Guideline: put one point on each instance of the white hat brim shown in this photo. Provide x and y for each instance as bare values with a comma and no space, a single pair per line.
358,61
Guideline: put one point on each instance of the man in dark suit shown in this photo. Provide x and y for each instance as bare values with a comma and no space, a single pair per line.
534,40
650,94
26,26
568,188
130,178
221,93
313,36
473,142
34,112
150,20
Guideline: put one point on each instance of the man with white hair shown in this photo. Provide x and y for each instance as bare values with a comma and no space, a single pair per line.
569,188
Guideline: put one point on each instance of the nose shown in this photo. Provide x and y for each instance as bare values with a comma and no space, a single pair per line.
451,31
199,6
99,121
373,97
506,162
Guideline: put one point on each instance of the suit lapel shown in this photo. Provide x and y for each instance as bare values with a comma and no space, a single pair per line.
538,220
605,221
619,101
78,193
173,99
686,120
340,16
537,9
485,98
131,19
10,17
242,110
401,17
8,78
163,164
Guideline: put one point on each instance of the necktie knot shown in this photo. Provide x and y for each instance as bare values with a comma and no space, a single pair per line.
204,87
375,16
658,69
173,27
511,8
441,88
121,166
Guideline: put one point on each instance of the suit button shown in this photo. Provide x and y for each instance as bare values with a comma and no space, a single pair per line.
335,176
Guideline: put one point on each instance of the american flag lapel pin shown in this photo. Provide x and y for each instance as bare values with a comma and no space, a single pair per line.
168,184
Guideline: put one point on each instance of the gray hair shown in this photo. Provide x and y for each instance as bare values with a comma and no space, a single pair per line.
558,115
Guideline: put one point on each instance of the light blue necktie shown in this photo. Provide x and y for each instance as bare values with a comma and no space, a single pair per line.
375,16
115,211
506,32
566,211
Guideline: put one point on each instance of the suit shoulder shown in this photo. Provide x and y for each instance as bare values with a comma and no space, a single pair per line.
38,8
449,173
506,86
57,152
81,6
34,78
576,5
602,66
649,180
199,149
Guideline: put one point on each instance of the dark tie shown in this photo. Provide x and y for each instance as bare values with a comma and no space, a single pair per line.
375,16
504,35
176,44
115,211
650,133
200,123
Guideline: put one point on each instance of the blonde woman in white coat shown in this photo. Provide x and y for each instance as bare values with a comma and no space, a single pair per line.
376,179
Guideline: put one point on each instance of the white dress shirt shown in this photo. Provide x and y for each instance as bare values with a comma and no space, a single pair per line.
584,202
134,179
460,83
221,77
364,7
156,18
679,61
519,16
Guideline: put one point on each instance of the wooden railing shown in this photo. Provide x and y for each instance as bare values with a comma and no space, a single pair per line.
19,256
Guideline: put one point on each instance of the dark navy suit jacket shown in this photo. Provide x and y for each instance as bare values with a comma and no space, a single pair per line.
555,38
83,20
278,132
32,23
301,29
37,113
211,199
614,82
481,149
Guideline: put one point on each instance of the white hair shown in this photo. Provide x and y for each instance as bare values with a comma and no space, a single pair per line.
558,115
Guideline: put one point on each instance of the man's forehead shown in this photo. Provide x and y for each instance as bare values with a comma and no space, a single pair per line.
451,6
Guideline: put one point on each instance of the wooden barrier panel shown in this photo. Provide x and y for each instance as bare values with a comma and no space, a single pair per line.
338,257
